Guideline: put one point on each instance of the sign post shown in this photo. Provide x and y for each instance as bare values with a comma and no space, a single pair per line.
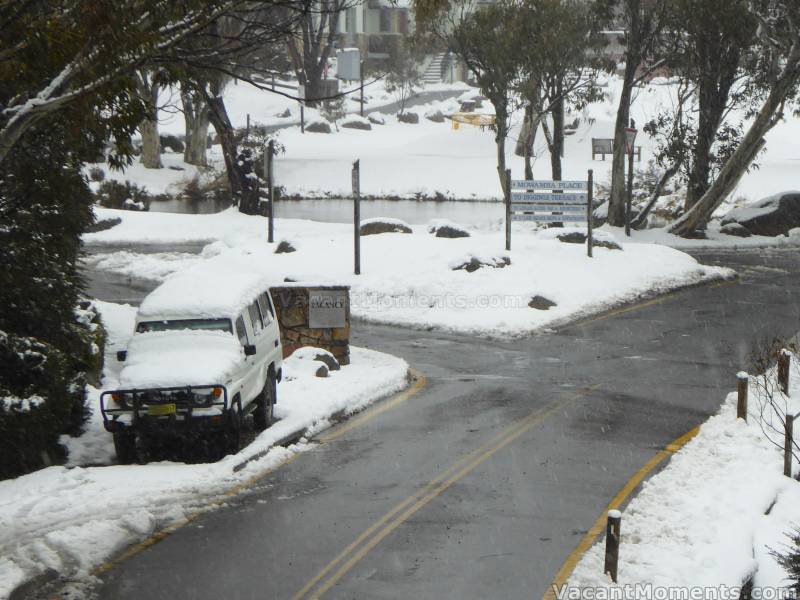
630,139
557,202
270,192
589,214
357,215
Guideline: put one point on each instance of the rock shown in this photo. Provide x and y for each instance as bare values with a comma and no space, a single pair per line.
176,168
355,122
445,229
473,263
284,247
541,303
772,216
435,116
383,225
322,371
328,359
103,224
376,119
408,117
735,229
284,115
611,245
318,127
579,237
468,106
572,237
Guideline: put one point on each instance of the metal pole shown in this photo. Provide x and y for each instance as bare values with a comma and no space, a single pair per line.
357,215
508,208
302,119
613,526
247,130
787,446
589,213
361,73
271,193
630,195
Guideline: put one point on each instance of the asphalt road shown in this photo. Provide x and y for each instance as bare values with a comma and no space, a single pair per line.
498,465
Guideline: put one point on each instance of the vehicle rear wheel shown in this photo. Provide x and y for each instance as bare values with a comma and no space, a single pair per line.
125,447
265,403
233,431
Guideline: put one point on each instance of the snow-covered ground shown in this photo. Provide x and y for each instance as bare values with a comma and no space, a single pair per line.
713,515
72,518
409,279
404,160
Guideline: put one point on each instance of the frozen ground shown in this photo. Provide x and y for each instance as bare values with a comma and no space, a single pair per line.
409,279
405,160
711,517
70,519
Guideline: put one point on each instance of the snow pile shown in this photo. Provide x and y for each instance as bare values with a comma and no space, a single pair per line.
712,515
408,279
72,519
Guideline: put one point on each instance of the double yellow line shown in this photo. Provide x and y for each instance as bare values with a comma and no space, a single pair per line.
373,535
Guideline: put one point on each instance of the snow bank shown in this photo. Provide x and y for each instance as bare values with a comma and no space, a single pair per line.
701,522
72,519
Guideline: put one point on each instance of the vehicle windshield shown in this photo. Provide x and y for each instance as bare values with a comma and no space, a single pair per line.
177,324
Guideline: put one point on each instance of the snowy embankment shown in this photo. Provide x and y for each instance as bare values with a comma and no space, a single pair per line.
413,279
71,519
713,515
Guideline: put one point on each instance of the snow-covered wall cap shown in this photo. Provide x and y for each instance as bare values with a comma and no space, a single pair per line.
614,514
204,293
742,375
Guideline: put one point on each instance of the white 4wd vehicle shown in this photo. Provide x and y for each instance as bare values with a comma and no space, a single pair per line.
205,353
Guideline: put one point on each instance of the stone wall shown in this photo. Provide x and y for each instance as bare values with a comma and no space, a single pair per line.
295,313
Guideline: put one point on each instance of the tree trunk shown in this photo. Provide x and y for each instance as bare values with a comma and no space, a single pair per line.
557,148
618,194
218,115
195,115
151,144
527,137
501,133
745,153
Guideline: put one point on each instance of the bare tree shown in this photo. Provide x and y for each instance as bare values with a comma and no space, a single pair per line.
149,85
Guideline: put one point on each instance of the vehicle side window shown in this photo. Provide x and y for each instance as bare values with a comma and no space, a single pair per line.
266,302
255,318
241,331
266,308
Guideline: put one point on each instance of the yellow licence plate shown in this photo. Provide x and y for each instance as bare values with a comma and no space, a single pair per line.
159,410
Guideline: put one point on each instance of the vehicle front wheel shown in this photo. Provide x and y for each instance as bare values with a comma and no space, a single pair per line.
125,447
265,404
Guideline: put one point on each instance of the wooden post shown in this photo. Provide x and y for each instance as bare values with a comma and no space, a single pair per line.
784,361
357,215
270,193
613,526
302,119
742,382
787,446
508,209
273,82
589,213
247,130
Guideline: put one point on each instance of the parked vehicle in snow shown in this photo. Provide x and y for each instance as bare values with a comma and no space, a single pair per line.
205,353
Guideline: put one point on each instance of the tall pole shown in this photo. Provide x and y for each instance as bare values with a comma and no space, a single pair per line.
357,216
361,73
630,195
589,213
271,193
508,208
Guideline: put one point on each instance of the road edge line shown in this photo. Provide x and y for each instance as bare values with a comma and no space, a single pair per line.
588,540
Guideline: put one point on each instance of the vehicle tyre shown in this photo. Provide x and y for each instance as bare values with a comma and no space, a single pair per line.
265,404
125,447
233,431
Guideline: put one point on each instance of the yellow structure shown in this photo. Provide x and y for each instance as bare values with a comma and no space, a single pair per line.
474,119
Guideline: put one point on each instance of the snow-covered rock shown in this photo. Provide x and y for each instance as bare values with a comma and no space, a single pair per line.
383,225
444,228
774,215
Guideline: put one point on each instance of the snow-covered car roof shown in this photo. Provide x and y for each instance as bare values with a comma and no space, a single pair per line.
203,293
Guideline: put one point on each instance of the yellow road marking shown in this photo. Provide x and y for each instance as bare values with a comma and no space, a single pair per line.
371,413
640,305
403,511
600,524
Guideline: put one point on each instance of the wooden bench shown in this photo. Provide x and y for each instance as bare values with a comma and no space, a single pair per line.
603,146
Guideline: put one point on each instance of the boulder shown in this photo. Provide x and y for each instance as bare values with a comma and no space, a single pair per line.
541,303
774,215
598,239
735,229
284,247
376,119
436,116
318,127
408,117
356,122
383,225
474,263
446,229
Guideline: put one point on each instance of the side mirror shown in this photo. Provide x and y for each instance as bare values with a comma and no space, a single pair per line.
249,350
122,355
